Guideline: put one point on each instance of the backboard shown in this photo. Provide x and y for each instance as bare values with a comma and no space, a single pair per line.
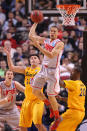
48,7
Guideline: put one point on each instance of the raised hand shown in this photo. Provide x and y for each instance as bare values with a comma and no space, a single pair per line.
7,47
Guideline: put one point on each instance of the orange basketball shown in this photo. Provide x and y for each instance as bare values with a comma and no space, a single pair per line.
36,16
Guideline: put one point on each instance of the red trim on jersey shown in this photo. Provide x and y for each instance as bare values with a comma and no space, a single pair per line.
59,75
48,47
14,84
53,94
36,87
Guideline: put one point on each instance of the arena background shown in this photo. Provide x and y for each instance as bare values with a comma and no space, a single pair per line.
15,24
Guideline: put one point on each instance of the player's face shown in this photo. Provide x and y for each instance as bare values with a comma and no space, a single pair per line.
53,33
34,61
9,75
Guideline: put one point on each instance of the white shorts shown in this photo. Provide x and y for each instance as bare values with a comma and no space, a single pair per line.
49,75
11,117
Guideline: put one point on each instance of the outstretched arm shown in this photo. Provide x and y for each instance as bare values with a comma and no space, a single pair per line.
19,86
33,36
18,69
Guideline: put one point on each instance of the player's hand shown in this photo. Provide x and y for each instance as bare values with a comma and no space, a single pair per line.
7,49
58,97
9,97
34,43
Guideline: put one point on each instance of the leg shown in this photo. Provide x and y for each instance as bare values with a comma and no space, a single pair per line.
52,99
26,114
71,119
39,94
41,127
53,102
37,115
38,83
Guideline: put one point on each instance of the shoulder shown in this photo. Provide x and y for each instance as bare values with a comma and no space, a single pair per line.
46,40
69,81
57,40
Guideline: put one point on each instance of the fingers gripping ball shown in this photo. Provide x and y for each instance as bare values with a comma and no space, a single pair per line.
36,16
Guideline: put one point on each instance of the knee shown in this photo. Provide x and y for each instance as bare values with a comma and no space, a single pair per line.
38,126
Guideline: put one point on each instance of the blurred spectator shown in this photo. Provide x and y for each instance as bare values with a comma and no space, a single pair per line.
7,44
75,57
13,41
25,61
66,68
19,77
11,20
41,56
68,46
3,67
25,49
18,54
2,16
54,22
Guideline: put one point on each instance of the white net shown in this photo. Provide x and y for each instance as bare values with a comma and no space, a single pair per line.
68,14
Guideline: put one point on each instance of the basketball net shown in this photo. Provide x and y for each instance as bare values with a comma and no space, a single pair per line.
68,13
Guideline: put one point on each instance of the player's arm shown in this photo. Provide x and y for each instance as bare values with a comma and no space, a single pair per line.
18,69
33,37
58,97
62,84
19,86
66,84
54,52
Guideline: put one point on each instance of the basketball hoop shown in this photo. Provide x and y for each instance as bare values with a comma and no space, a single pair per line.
68,13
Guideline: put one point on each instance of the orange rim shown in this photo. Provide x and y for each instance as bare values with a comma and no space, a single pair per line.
70,9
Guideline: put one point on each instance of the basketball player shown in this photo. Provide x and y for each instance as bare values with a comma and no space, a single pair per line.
8,110
76,101
32,107
50,69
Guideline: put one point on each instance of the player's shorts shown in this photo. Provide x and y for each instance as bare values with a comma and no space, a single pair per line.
31,111
49,75
11,117
71,119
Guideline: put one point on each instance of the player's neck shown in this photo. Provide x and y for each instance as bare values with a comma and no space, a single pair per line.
52,39
7,83
33,66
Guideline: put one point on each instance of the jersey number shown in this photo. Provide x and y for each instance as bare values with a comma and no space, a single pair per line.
83,92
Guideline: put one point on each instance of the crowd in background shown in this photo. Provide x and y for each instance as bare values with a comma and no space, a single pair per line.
15,26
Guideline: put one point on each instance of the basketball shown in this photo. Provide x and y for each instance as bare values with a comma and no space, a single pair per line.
36,16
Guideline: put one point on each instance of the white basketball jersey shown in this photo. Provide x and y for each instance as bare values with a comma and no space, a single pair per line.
4,92
51,62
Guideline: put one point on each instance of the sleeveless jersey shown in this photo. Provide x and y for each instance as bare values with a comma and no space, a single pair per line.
76,94
4,91
51,62
29,75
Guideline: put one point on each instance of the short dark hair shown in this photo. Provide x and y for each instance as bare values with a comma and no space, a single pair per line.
78,69
34,55
7,71
54,27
